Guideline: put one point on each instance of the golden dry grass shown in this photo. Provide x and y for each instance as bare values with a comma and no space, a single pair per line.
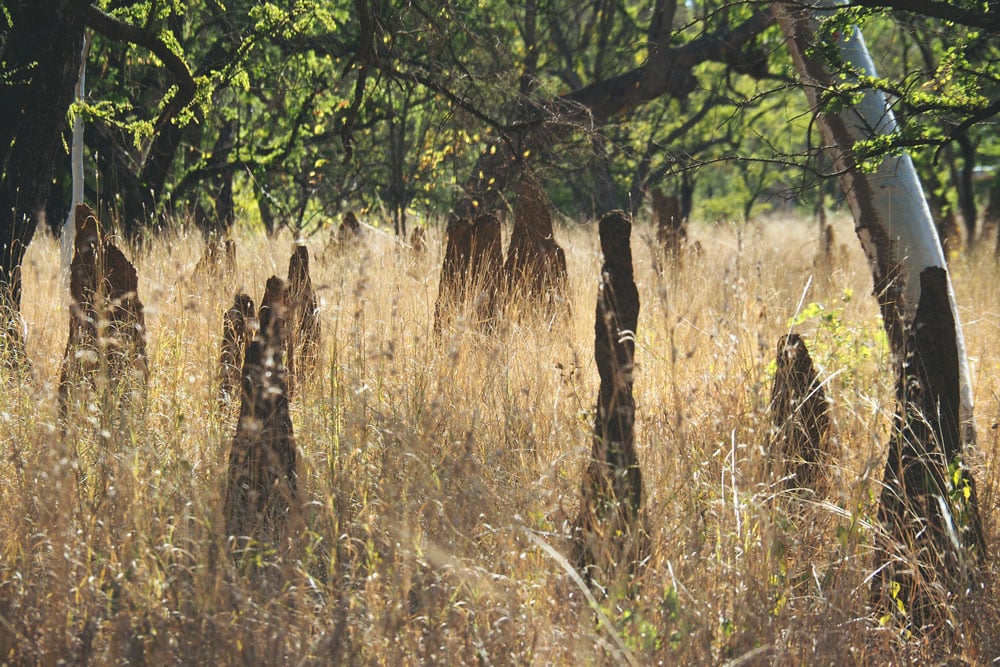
439,480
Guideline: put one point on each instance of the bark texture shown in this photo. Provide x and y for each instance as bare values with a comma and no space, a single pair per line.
262,460
41,52
610,539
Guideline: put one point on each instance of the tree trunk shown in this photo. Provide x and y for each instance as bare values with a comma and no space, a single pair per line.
922,497
32,116
76,164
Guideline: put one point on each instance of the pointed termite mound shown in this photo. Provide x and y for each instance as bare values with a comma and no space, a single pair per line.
262,475
304,334
929,506
800,423
610,539
671,231
536,266
238,326
418,239
107,328
470,274
350,228
218,259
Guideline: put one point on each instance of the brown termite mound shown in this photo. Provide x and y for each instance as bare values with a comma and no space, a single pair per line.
470,274
350,228
536,266
929,506
304,334
106,349
262,476
418,240
238,326
609,538
217,260
671,231
800,422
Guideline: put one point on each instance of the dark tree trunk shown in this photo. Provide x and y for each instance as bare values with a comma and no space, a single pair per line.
966,192
32,118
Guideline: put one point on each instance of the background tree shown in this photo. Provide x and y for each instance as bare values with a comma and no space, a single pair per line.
40,61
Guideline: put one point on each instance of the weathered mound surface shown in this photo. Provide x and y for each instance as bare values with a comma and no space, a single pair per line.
610,539
238,327
304,334
473,262
800,422
262,467
536,264
671,231
107,327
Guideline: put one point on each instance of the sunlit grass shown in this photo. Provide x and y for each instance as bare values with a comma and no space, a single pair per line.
433,469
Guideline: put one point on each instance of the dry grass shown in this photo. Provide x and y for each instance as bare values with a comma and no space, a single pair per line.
439,480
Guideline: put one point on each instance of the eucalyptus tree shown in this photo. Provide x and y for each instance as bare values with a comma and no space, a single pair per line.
928,505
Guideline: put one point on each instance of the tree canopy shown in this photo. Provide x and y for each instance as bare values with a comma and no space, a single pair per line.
290,112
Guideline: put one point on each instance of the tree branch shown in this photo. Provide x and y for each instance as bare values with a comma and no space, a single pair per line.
111,27
946,11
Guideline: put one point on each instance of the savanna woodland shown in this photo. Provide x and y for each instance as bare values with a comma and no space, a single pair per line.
611,332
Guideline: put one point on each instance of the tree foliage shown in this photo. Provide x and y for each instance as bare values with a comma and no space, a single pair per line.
289,112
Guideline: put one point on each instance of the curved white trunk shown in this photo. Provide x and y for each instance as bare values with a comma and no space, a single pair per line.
76,157
902,234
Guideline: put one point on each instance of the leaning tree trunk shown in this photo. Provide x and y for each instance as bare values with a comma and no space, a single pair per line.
928,494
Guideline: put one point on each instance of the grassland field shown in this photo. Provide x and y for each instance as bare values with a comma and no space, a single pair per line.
439,475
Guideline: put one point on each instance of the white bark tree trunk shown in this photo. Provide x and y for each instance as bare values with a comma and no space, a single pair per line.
919,504
76,162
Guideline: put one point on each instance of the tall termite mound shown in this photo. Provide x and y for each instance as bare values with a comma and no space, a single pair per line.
107,327
609,538
800,422
238,325
418,239
671,230
929,504
262,476
350,228
304,333
471,271
536,264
